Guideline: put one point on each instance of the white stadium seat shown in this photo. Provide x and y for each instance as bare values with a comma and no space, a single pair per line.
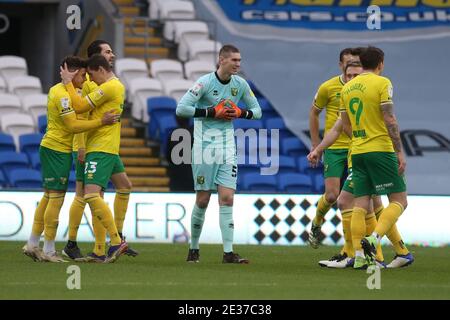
128,69
12,66
166,69
17,124
154,9
192,31
177,9
3,87
35,105
25,85
141,89
195,69
206,50
9,103
173,31
177,88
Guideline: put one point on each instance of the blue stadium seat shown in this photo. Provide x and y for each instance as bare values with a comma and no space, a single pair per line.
247,124
286,164
7,143
166,125
319,183
25,178
35,160
12,160
3,182
304,167
278,123
295,183
29,143
293,147
260,183
42,123
158,107
267,109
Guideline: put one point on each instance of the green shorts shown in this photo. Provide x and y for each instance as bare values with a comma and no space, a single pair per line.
56,167
376,173
79,167
100,166
334,162
348,184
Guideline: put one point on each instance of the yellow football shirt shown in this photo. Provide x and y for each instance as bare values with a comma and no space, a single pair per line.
109,96
328,97
58,137
361,99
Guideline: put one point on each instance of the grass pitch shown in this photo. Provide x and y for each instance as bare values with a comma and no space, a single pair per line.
274,272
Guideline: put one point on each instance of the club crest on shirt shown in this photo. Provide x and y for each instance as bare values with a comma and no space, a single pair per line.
63,180
196,88
200,179
390,91
234,92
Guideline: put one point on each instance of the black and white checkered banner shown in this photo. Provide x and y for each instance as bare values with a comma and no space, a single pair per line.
287,220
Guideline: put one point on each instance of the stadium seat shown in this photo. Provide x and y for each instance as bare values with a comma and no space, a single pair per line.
35,160
295,183
141,89
29,143
192,30
177,88
42,123
166,125
154,9
25,179
24,85
9,103
319,183
293,147
3,182
260,183
267,110
195,69
7,143
247,124
128,69
35,105
17,124
191,34
303,166
278,123
203,50
157,107
12,160
3,86
176,9
286,164
166,69
12,66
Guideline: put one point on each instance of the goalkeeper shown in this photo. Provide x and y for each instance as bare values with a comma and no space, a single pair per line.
212,102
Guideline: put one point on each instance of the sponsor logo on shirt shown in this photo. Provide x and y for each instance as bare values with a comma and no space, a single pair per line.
65,105
196,89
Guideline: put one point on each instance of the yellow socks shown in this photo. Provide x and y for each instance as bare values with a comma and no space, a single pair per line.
322,208
38,223
120,207
75,214
388,218
346,226
100,236
51,216
358,227
394,236
101,211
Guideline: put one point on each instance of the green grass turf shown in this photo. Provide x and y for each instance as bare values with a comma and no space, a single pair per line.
275,272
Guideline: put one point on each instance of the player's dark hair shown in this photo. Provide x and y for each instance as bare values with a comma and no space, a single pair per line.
95,47
74,63
97,61
371,57
345,52
352,64
227,49
357,51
